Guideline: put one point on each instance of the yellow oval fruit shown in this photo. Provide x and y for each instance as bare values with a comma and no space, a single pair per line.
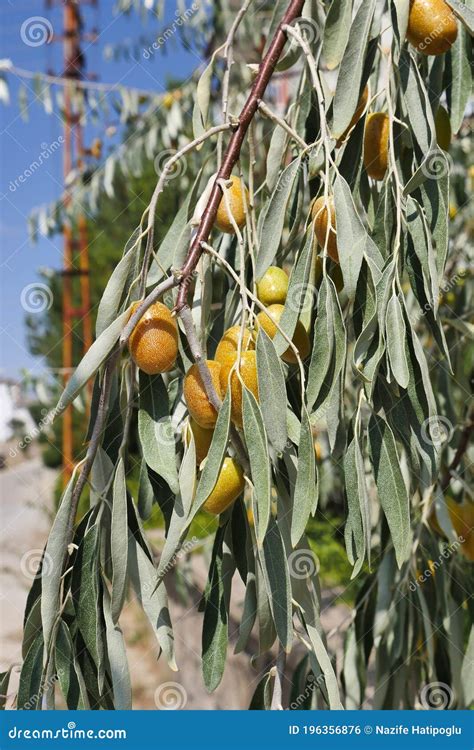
273,286
230,484
199,406
453,211
356,116
300,336
236,201
432,26
320,214
443,128
153,344
377,129
202,439
248,373
462,518
229,342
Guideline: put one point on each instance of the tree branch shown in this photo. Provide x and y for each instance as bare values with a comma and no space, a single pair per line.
232,153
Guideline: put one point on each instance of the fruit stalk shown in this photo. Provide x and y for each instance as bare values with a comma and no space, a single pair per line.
232,153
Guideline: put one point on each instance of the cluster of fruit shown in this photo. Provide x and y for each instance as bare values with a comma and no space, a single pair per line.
154,348
154,342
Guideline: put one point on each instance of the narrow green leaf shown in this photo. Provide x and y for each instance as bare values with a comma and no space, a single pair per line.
336,32
273,221
391,488
92,360
256,439
324,662
153,599
353,240
395,332
118,548
305,496
215,623
117,657
353,530
203,99
349,79
53,564
277,582
459,61
173,246
145,493
111,298
29,689
68,669
271,391
85,588
156,430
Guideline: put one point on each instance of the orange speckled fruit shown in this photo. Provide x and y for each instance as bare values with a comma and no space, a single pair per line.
356,116
248,373
153,344
377,129
236,201
432,26
202,439
230,484
320,214
300,336
228,344
199,406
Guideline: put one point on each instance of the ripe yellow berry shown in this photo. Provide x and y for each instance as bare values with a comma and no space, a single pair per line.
432,26
300,336
356,116
202,439
230,484
228,344
199,406
248,374
153,344
324,228
377,129
236,202
273,286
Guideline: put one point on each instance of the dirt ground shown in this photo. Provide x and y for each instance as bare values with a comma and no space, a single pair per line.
26,492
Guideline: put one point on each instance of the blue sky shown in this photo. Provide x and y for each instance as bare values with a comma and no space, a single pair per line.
22,142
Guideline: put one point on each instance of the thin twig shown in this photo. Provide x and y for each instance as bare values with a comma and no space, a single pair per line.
160,187
282,123
232,153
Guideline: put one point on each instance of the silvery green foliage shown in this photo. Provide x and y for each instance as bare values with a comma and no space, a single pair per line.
383,390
